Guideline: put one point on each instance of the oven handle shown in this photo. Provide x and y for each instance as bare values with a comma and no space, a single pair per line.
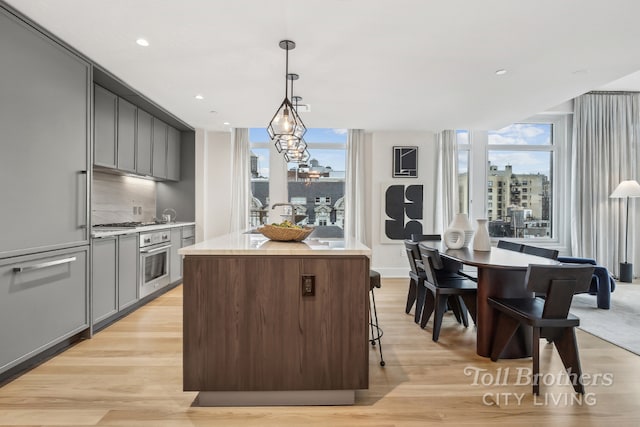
151,251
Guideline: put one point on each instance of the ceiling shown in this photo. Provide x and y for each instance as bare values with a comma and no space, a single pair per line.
370,64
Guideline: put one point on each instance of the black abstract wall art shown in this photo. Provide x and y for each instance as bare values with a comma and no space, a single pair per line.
403,207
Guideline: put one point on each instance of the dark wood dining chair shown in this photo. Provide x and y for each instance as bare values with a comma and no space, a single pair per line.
543,252
549,317
446,288
416,272
512,246
425,238
415,295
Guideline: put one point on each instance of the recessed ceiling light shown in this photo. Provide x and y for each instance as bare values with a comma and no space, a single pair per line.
199,96
142,42
226,123
501,72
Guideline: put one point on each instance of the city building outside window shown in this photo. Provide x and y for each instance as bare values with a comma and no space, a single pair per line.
321,181
316,188
527,163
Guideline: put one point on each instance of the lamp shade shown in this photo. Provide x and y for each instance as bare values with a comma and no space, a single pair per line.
625,189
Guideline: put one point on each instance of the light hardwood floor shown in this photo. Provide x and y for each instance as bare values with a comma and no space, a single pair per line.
130,374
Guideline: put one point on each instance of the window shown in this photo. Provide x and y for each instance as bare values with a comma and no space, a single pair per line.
316,187
321,181
528,164
462,139
259,142
522,152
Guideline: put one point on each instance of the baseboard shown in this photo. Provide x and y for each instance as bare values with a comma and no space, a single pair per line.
392,273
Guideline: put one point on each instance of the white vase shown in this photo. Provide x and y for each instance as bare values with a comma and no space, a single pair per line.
481,240
460,225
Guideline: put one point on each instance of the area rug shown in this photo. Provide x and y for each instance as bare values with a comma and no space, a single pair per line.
618,325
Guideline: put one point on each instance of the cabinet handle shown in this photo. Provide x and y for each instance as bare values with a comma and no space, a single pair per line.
150,251
44,265
82,199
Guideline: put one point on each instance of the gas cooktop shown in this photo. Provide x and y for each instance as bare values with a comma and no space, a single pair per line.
130,224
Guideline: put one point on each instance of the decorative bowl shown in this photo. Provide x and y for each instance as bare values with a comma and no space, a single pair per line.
285,234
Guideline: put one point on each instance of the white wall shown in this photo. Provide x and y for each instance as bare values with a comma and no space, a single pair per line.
213,184
390,259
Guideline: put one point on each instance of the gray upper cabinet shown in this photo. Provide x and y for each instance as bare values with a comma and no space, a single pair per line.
131,140
127,269
159,149
144,141
105,105
173,154
126,136
44,134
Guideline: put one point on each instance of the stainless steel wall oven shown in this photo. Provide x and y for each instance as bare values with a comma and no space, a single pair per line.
155,251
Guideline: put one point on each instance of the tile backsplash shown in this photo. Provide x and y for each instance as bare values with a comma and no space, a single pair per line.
115,198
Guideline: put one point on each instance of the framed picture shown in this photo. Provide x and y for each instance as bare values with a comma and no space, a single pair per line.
405,162
402,211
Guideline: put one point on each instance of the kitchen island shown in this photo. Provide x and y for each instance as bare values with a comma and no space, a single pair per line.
275,323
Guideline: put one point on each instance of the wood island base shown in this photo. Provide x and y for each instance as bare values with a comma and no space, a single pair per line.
275,323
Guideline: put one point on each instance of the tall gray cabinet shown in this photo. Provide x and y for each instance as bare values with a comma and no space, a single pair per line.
44,243
44,118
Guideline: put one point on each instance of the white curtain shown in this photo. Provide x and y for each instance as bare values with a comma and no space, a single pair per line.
604,153
446,180
240,180
354,215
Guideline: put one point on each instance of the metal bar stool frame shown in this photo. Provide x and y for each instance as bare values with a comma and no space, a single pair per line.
376,331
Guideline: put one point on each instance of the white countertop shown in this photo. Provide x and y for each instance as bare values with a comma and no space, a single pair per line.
257,244
105,232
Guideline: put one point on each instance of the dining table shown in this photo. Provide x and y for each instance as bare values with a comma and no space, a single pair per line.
500,273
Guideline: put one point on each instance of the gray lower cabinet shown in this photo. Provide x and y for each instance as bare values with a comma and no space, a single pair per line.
159,149
44,140
43,300
128,255
173,154
144,133
104,274
175,267
105,107
188,239
126,136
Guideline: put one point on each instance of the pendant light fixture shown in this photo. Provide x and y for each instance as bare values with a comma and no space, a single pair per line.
297,156
286,122
289,142
298,153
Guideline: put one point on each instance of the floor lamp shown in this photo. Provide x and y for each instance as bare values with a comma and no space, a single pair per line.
625,190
